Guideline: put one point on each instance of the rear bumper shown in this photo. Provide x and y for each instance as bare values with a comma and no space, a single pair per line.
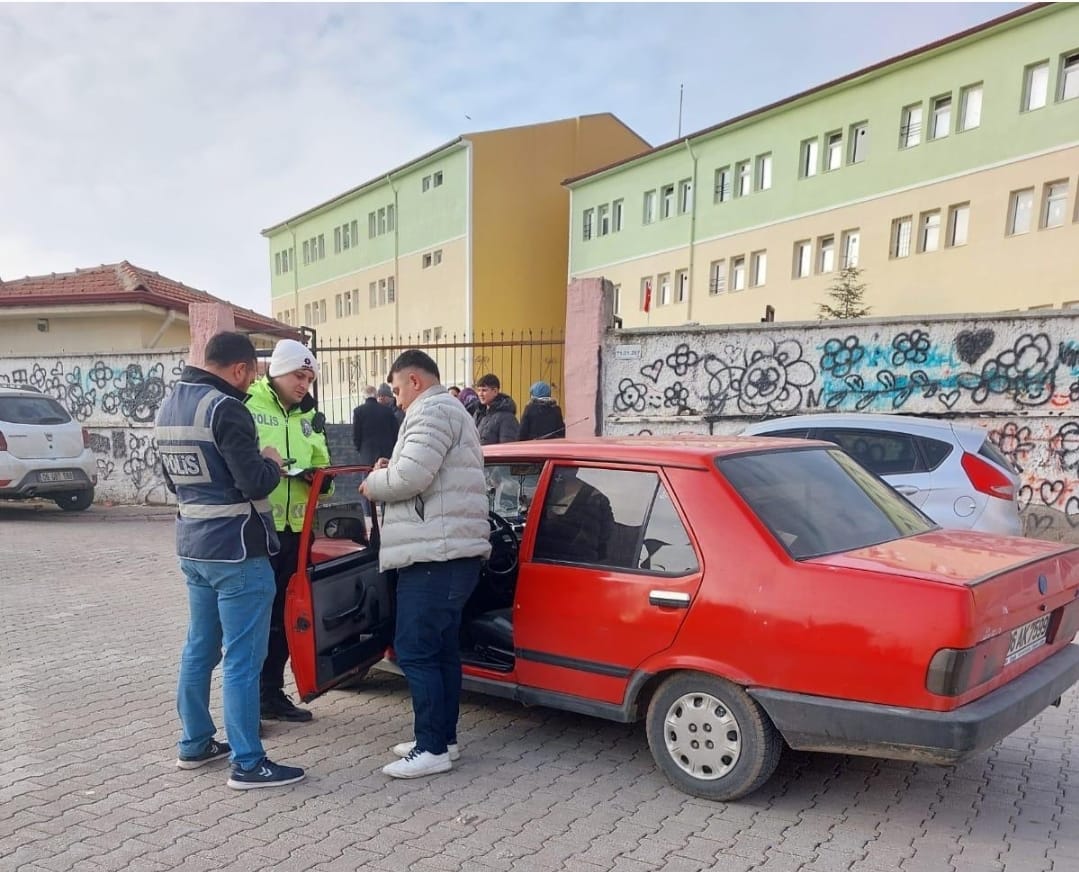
30,484
814,723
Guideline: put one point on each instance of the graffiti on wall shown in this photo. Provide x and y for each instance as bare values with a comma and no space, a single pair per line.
116,398
1017,376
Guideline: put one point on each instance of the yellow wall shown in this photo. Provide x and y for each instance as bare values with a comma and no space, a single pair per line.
87,330
520,215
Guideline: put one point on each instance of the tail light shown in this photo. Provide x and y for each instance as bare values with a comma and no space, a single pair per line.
954,671
987,478
3,441
85,438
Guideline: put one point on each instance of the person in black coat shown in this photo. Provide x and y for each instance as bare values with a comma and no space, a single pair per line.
374,430
542,418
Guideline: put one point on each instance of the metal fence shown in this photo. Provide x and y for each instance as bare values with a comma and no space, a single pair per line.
518,358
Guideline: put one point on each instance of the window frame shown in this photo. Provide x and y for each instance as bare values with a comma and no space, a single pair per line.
833,148
723,192
717,277
954,211
762,171
649,209
743,179
809,157
857,152
936,114
739,268
1028,86
758,268
896,238
825,247
1068,74
685,196
1048,201
666,201
1011,228
802,247
961,124
845,238
924,227
909,130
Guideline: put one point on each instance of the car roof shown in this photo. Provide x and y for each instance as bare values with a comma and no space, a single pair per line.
860,419
687,451
20,391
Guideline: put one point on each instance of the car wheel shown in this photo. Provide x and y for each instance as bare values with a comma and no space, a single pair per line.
78,501
710,738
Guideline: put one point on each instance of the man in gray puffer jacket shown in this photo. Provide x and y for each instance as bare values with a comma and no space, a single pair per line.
435,533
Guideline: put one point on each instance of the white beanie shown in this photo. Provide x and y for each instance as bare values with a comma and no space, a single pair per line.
289,356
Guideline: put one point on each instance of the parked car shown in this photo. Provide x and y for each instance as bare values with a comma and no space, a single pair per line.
952,472
44,452
737,595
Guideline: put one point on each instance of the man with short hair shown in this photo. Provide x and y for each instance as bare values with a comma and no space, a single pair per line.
374,432
496,417
386,398
435,533
224,537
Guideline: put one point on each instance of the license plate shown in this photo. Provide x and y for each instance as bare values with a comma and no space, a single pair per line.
1027,638
56,476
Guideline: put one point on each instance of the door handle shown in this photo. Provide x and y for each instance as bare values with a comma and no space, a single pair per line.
671,599
907,489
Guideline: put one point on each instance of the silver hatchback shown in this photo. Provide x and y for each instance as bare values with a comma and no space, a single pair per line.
952,472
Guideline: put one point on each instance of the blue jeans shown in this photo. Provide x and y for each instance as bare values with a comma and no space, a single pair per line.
430,599
229,607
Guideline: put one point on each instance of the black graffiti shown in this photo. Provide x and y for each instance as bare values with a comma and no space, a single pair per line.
841,356
1050,491
1024,372
1065,444
970,345
652,370
767,381
899,387
1014,441
677,397
1068,355
912,347
632,396
682,359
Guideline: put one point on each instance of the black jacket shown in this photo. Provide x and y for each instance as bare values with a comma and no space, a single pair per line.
498,422
374,430
542,419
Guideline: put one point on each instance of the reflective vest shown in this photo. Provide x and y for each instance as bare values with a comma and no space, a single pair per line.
213,513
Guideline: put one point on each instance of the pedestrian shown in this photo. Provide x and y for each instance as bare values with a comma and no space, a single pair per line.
435,533
386,397
224,538
374,431
496,417
454,391
286,419
542,418
470,400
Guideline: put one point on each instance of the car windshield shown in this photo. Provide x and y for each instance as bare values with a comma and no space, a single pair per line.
32,409
820,501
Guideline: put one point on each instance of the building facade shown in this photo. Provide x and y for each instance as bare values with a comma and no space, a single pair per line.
947,175
469,238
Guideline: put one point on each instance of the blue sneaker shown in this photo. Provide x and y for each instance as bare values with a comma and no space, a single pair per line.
265,774
214,751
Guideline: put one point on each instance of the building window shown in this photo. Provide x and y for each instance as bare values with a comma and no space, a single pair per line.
666,201
346,236
851,242
436,257
337,240
338,306
738,273
277,263
616,216
910,126
685,196
1020,206
681,285
603,216
426,260
1035,86
717,277
825,254
803,258
425,184
743,179
347,303
833,159
372,290
808,166
859,141
758,268
306,252
617,299
942,117
764,171
929,231
649,216
390,217
307,314
436,179
1069,76
901,233
382,292
391,289
355,234
970,107
372,225
1054,203
663,282
586,230
723,184
958,224
382,225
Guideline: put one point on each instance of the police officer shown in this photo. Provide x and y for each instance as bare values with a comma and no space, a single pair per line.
224,538
286,419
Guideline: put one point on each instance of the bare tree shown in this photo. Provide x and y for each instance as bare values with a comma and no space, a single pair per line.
847,296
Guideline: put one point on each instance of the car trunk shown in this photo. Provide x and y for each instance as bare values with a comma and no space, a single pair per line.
64,441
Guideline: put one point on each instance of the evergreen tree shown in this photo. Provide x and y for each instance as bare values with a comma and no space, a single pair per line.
847,296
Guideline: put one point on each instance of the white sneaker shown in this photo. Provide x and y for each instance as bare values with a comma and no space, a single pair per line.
417,764
403,749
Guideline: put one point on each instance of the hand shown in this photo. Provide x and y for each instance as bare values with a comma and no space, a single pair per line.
363,487
381,463
270,452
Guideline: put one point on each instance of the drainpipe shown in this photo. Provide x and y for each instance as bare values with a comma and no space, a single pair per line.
692,234
169,318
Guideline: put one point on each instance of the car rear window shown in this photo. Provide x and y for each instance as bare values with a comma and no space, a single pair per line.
821,501
991,452
32,410
934,451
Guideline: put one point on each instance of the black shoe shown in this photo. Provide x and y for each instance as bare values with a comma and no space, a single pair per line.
278,707
265,774
214,751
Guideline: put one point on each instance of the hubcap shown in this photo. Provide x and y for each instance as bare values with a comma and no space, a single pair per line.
702,736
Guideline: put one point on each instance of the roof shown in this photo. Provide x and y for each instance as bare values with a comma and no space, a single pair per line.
865,71
691,451
123,283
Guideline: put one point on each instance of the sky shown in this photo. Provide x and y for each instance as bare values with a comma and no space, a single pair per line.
170,135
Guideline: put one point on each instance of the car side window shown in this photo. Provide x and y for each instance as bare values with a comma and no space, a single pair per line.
935,451
666,547
799,433
879,452
510,488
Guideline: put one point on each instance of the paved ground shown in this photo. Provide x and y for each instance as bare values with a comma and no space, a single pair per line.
91,620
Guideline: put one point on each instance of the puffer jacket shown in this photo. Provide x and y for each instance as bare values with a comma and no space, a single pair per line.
542,419
434,488
498,422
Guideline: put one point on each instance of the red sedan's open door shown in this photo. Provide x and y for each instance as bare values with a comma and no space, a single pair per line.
339,609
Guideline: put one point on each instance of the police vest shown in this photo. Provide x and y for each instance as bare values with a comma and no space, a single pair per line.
212,510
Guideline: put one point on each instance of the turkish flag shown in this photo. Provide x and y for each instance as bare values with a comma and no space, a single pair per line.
647,296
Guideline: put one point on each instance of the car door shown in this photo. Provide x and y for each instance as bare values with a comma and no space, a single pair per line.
891,455
607,574
339,608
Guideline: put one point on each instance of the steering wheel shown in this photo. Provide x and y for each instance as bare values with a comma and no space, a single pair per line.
499,568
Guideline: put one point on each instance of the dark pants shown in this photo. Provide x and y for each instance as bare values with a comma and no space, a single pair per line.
430,599
284,564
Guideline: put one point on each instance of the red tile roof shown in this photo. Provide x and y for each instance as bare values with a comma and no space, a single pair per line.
124,283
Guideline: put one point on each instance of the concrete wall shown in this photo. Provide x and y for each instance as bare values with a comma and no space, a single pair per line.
1017,377
116,397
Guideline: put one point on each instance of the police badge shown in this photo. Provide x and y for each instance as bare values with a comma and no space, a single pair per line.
305,425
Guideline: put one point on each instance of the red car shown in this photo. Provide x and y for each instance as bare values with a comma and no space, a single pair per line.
737,594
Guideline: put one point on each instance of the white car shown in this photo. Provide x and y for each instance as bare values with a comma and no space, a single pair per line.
950,471
44,453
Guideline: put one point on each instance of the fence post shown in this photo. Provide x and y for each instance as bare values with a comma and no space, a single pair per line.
589,312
